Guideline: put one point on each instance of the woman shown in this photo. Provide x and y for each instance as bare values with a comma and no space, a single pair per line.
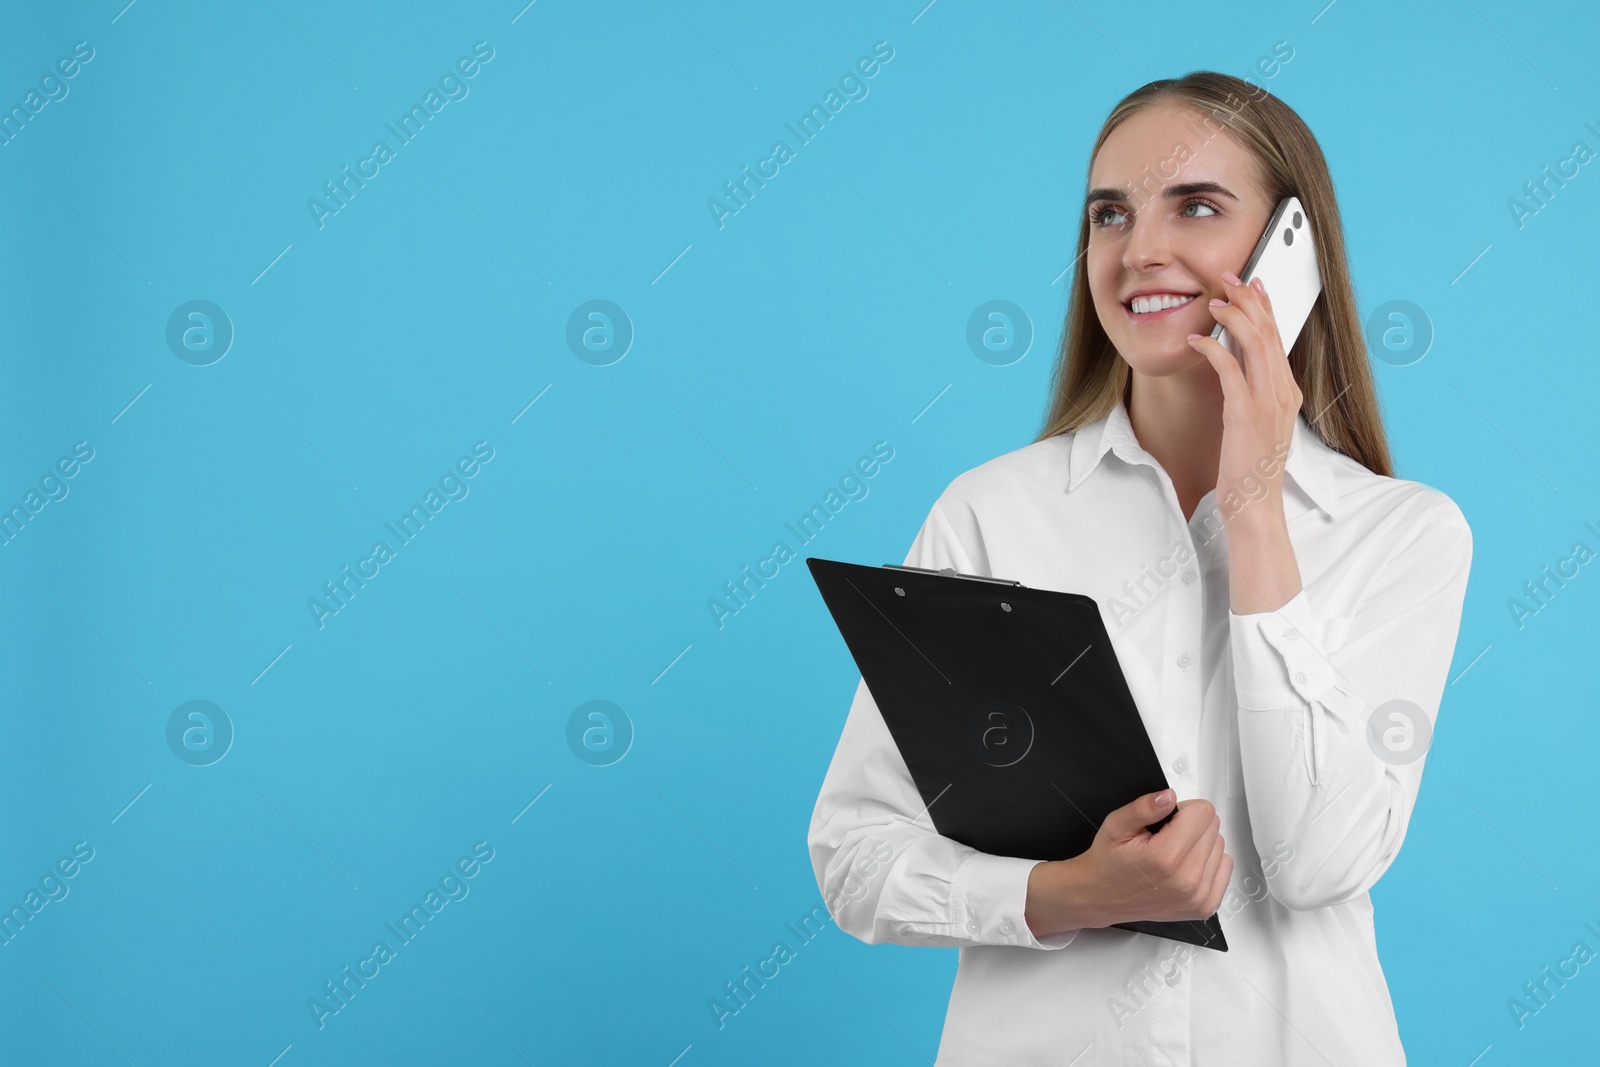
1286,639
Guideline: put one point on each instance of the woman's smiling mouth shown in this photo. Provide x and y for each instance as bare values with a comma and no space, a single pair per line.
1158,306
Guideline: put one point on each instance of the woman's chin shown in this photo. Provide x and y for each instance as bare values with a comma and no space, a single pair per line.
1160,361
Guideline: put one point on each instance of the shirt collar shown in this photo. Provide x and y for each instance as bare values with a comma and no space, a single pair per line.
1310,462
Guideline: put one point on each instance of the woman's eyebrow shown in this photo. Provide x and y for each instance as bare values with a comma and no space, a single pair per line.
1172,192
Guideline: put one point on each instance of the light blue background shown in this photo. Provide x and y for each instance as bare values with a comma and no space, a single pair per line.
772,354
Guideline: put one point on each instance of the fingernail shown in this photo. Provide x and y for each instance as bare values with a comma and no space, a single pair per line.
1217,302
1231,278
1163,798
1261,287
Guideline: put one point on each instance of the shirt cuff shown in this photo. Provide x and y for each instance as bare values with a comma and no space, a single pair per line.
989,903
1278,661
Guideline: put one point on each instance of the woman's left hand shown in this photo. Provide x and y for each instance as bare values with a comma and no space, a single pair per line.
1260,402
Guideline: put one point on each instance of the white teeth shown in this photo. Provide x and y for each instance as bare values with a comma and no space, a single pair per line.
1144,304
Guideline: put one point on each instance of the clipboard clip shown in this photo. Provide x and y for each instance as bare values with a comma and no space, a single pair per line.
951,572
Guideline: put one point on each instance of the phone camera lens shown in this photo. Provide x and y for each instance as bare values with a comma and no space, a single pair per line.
1297,220
1288,237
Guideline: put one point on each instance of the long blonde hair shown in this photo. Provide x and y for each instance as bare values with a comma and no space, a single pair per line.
1329,358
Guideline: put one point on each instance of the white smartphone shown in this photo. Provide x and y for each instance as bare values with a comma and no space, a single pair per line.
1285,259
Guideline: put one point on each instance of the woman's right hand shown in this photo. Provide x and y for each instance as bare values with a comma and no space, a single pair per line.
1178,873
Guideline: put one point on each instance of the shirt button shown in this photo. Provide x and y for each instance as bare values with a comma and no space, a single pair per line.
1188,576
1291,633
972,927
1300,676
1005,927
1180,766
1183,660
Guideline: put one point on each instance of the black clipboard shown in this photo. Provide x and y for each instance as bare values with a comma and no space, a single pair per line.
1009,707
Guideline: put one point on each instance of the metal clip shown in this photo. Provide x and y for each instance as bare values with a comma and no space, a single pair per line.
950,572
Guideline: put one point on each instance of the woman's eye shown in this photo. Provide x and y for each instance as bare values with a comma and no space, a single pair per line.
1110,216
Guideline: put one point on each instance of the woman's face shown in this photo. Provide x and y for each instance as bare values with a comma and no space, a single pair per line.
1172,205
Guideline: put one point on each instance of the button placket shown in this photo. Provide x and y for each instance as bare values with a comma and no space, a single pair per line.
1182,729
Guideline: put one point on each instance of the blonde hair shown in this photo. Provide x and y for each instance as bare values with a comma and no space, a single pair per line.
1329,358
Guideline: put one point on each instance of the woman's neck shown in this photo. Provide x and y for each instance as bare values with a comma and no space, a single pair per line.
1178,420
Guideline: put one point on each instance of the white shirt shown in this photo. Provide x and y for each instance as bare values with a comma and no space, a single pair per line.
1264,715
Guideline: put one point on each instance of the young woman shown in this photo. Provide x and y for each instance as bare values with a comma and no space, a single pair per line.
1284,608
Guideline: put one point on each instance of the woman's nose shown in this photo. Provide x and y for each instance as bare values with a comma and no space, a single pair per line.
1147,245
